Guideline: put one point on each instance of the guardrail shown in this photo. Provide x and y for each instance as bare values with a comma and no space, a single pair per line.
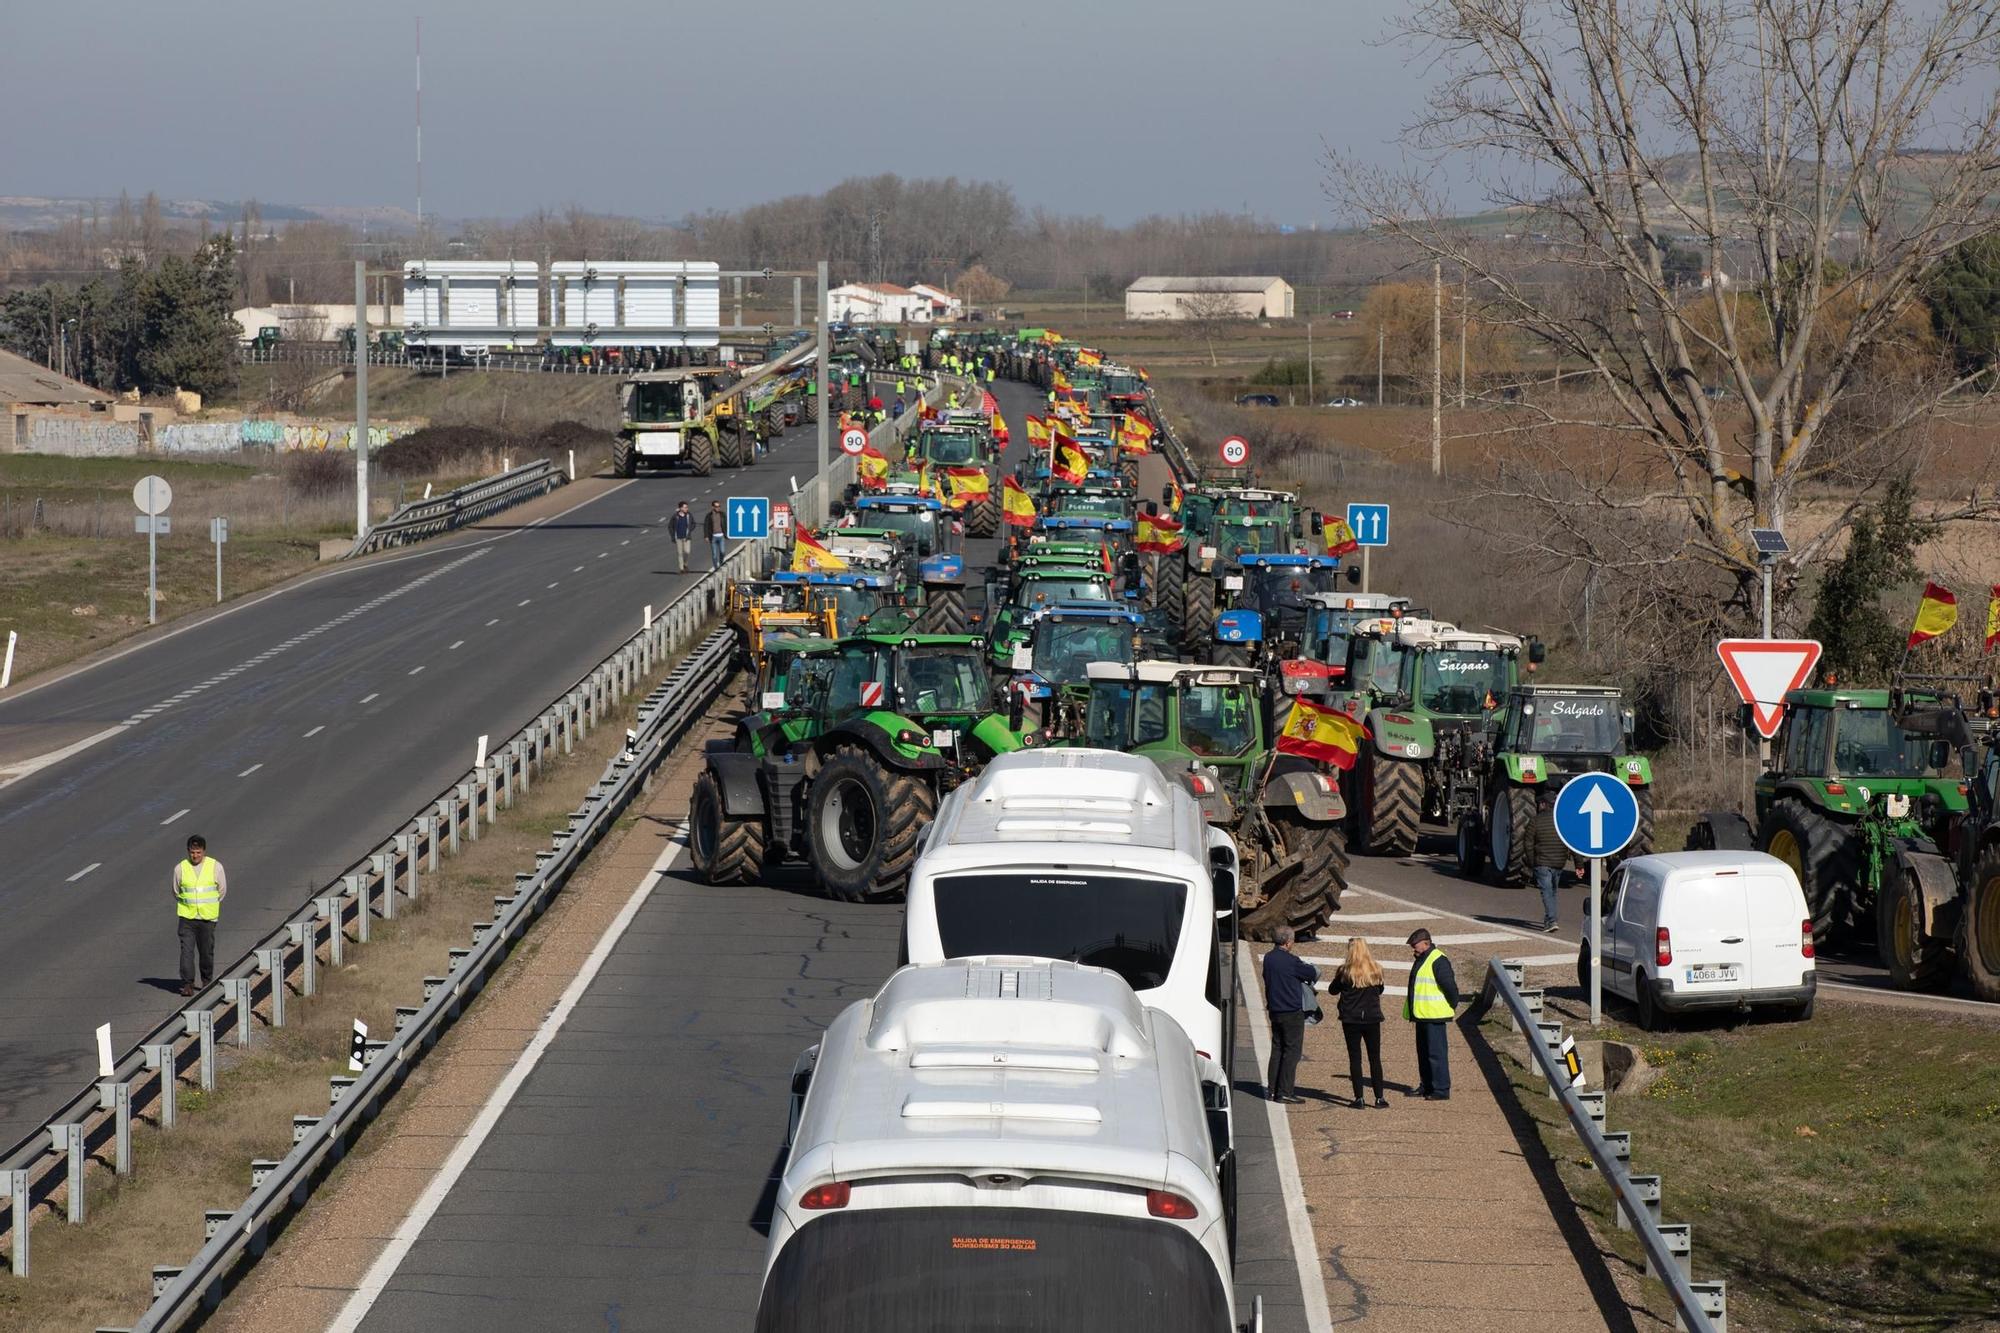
465,504
1669,1246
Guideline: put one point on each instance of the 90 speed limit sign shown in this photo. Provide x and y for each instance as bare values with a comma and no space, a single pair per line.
1236,451
853,440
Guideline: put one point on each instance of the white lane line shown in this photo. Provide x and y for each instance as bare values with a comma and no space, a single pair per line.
577,570
602,554
1511,932
415,669
491,623
524,601
314,732
85,871
171,818
626,542
383,1270
15,772
248,771
1476,937
558,581
456,646
1377,916
371,698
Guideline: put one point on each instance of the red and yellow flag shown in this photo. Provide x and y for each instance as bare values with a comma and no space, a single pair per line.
1135,434
1936,613
1993,619
1339,537
1314,731
1060,382
1175,495
1069,463
873,466
1001,436
1158,534
967,484
810,557
1038,431
1086,357
1015,506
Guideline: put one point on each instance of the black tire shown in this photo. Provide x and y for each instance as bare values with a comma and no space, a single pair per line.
812,407
1510,834
1307,898
1646,1010
724,850
1197,613
1979,930
1823,854
862,826
1171,580
944,611
624,457
982,518
1642,837
1232,655
1916,961
701,452
1583,966
734,449
1389,792
1471,847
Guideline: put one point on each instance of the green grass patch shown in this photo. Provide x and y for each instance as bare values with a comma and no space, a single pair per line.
48,471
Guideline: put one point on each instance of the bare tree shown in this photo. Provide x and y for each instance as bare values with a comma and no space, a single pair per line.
1208,311
1820,155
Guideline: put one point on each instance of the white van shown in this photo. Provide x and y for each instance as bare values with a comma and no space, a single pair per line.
1090,856
1705,930
1002,1144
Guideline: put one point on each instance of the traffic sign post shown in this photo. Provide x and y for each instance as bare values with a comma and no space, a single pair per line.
853,440
1596,816
1370,525
218,532
1235,451
152,495
1764,671
749,518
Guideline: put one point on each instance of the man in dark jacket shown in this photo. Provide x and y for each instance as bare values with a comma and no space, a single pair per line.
681,526
716,527
1287,978
1432,1001
1550,857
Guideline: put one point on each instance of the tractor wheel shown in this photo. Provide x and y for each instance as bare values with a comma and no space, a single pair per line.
1306,898
1510,834
1386,811
1916,961
1170,580
944,611
863,821
1823,854
1471,846
1642,837
701,453
1198,613
624,457
774,420
1979,930
735,448
1232,655
724,850
812,407
982,518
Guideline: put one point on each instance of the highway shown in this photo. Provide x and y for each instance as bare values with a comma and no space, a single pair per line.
294,733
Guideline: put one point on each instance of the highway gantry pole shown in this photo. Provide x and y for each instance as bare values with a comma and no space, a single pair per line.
360,400
819,374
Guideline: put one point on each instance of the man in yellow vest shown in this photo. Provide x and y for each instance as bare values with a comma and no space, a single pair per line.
199,888
1431,1004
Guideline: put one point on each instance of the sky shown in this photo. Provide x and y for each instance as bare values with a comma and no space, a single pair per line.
1117,108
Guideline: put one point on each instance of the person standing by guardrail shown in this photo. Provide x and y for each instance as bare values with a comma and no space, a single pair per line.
1550,857
716,526
1431,1004
200,885
681,528
1358,983
1288,978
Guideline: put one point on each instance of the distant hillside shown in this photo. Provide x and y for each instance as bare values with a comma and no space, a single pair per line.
27,212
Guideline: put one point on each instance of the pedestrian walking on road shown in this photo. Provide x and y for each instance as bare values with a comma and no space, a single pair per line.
199,888
1288,979
1358,983
1550,857
717,528
1431,1004
682,528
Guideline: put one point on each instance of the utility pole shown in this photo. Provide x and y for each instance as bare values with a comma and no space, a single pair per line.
1311,397
1381,340
1461,342
1437,369
819,375
360,400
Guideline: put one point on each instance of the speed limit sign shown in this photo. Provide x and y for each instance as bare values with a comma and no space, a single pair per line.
853,440
1236,451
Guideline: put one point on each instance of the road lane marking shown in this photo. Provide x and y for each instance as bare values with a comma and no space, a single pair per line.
1343,917
248,771
524,601
491,623
415,669
577,570
172,817
314,732
371,698
602,554
554,584
85,871
456,646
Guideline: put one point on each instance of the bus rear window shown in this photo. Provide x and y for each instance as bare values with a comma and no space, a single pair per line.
1126,923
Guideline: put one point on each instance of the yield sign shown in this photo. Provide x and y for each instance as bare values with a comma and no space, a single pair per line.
1764,670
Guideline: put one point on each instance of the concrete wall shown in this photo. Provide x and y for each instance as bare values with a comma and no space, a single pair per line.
98,435
82,437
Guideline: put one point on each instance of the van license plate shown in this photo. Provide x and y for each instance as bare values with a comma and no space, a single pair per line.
944,740
1729,973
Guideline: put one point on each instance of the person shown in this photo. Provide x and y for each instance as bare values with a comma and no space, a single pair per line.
199,888
1358,983
897,412
1287,978
716,526
681,528
1550,856
1431,1002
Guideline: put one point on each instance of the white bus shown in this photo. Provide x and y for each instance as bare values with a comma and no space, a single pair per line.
1002,1146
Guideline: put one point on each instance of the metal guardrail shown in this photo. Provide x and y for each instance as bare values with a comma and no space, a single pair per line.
465,504
1669,1247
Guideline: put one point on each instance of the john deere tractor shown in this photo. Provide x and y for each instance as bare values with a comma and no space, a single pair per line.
1209,729
1051,656
937,448
844,771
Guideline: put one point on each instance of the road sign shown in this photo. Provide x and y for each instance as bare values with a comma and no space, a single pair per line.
1370,523
781,517
1235,451
160,525
853,440
749,517
218,530
152,494
1764,671
1596,815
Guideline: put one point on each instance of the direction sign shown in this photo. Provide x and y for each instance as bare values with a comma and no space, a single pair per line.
1235,451
1370,524
1596,815
152,494
749,517
853,440
1764,671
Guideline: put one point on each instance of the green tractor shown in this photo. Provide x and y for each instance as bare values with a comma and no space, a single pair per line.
686,416
1223,524
1210,729
936,448
843,769
1543,737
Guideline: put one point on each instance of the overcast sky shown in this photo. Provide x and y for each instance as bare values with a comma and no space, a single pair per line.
1113,107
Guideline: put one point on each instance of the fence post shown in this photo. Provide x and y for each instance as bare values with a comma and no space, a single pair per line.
201,1026
17,1188
115,1096
359,889
305,935
68,1139
237,991
272,962
336,929
160,1056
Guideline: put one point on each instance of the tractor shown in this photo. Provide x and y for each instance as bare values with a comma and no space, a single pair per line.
1050,661
929,533
688,415
755,608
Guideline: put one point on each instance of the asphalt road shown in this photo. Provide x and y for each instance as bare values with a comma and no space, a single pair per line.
294,734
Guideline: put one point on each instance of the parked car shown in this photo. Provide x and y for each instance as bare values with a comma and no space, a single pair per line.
1258,400
1705,930
1343,402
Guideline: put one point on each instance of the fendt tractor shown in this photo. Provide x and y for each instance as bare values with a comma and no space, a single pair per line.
1209,729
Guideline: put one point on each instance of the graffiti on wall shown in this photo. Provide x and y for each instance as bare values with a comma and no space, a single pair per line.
73,437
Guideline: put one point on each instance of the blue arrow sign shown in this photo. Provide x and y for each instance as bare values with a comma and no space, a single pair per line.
749,517
1596,815
1370,523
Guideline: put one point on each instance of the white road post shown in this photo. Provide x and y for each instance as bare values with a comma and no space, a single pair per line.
7,670
1596,941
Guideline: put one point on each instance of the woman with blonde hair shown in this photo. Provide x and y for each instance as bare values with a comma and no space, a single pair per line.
1358,983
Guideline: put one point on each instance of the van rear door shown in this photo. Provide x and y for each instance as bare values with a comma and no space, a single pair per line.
1708,923
1776,908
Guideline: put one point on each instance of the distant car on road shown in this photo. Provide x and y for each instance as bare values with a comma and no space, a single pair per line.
1258,400
1342,402
1343,314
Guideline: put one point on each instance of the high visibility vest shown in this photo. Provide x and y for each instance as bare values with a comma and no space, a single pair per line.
1426,999
900,385
195,894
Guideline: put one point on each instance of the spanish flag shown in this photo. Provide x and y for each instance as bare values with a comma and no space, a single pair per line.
1086,357
1069,464
1175,496
1158,534
1936,613
1000,432
967,484
1339,537
1314,731
1038,431
1134,435
1015,506
1993,619
873,465
1060,382
809,557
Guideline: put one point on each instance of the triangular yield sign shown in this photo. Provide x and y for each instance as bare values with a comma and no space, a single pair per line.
1764,671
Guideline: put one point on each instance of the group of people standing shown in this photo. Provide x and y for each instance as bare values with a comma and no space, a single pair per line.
1358,987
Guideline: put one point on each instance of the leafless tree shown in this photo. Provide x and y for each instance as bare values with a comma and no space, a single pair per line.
1207,312
1822,154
